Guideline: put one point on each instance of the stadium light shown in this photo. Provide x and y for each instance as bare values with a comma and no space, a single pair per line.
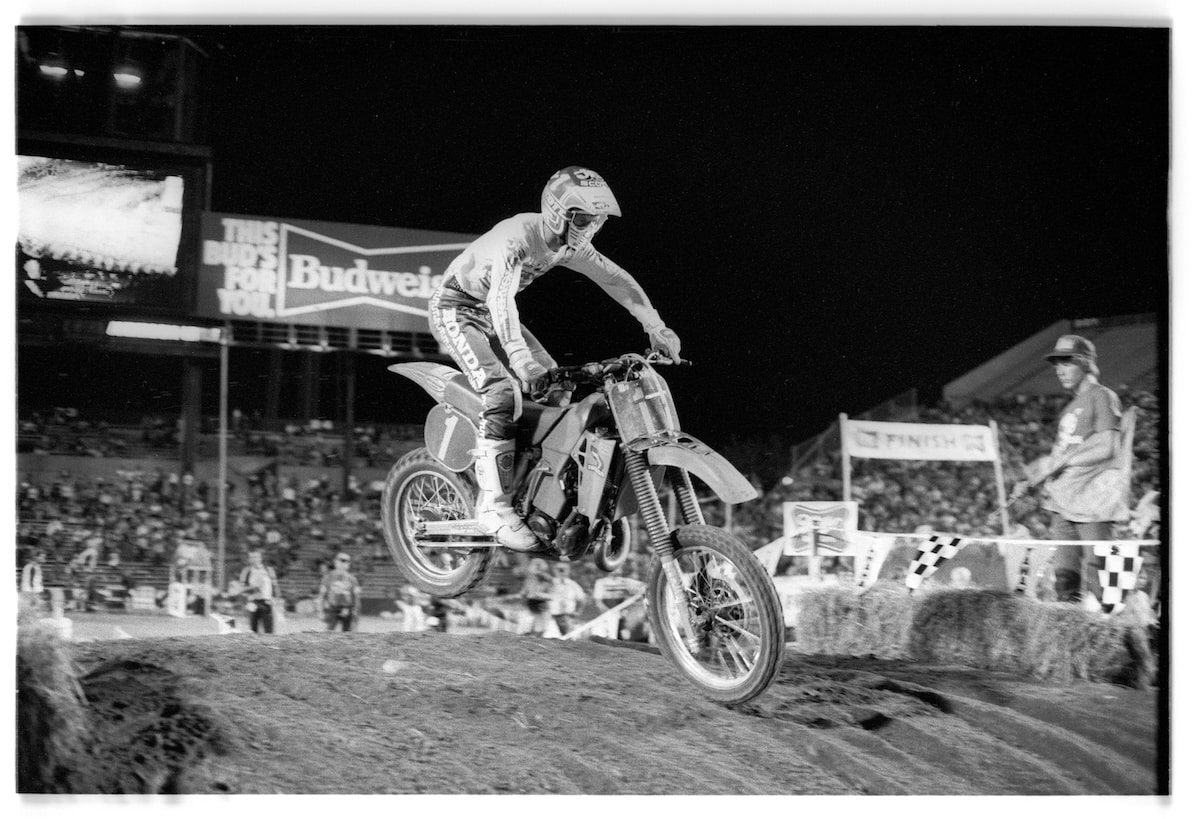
163,332
128,73
127,78
54,66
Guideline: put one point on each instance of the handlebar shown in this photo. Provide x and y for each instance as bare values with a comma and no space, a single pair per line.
595,372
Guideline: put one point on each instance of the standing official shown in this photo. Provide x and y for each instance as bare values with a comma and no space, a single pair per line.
261,588
340,596
1083,485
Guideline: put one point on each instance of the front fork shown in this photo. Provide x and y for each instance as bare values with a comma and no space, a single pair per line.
655,519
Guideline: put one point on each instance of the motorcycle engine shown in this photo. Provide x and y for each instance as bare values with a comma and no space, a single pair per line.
543,526
573,539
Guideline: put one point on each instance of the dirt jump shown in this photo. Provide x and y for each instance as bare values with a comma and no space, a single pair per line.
500,713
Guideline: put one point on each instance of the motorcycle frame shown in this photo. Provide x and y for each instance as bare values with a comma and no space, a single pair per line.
619,470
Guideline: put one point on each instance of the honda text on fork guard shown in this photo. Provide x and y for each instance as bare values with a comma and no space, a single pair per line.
581,471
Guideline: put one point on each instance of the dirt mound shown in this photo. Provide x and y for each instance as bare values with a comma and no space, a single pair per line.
497,713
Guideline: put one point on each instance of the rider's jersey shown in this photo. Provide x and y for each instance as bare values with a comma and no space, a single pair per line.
506,259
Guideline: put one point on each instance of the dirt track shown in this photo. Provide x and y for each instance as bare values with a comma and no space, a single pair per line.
499,713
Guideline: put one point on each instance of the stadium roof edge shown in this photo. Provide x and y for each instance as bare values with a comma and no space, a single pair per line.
1126,347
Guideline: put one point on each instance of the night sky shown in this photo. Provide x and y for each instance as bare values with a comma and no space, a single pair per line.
827,216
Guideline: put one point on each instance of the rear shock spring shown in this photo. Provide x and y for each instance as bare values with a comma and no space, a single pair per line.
653,516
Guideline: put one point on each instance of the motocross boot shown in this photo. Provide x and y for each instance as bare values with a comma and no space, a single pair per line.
494,512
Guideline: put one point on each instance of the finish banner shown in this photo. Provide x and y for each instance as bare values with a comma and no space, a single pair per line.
918,442
320,273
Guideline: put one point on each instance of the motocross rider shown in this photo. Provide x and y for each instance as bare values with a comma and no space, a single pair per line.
473,312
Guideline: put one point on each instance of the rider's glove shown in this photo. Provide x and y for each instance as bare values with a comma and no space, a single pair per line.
665,339
526,367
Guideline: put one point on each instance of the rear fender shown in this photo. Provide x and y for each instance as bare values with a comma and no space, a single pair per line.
428,376
706,464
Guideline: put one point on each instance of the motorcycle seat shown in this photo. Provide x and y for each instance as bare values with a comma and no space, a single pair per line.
536,419
460,395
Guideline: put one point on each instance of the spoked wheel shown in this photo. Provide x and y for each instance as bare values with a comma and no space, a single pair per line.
419,488
733,610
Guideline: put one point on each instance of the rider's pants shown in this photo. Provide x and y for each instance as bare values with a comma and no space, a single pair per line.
464,327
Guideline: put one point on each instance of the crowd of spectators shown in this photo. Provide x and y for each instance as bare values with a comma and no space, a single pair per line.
136,517
300,524
65,431
317,442
287,517
320,443
132,515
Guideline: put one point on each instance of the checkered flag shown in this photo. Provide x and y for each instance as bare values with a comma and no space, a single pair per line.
1122,562
930,555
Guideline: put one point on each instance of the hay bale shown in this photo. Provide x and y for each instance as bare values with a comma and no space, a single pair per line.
1066,642
980,628
834,620
53,725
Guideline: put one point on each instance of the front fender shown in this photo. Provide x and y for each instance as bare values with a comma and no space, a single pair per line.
706,464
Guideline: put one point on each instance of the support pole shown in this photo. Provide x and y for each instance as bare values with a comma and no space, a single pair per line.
274,384
843,423
1002,494
348,437
223,457
310,385
189,418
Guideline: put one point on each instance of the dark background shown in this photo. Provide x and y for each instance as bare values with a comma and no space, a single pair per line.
827,216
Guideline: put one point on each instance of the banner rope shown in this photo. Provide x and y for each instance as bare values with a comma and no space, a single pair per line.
1017,541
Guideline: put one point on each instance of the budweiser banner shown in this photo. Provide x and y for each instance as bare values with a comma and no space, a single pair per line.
918,442
327,273
820,527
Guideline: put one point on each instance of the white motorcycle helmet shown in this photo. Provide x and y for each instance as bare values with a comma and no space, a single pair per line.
576,202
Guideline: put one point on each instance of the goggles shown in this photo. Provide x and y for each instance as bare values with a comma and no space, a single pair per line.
580,219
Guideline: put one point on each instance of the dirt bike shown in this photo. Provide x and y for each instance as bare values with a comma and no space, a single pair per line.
581,471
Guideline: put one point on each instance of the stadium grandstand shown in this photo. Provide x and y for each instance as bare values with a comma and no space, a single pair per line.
83,478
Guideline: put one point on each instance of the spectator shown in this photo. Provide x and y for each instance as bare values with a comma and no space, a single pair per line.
611,591
340,596
261,589
412,613
31,579
1082,473
89,555
566,598
960,577
536,592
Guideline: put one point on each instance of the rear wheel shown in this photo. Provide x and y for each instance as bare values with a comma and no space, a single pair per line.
419,488
734,612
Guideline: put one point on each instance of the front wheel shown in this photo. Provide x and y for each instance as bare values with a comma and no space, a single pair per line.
420,488
734,612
